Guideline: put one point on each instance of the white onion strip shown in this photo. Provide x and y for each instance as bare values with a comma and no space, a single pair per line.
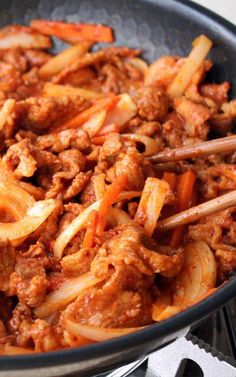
195,281
151,203
34,217
70,231
151,146
124,110
201,47
54,90
63,59
67,292
98,334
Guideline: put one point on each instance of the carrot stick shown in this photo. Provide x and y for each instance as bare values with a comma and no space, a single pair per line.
98,140
184,192
90,231
108,129
170,178
81,118
109,198
74,33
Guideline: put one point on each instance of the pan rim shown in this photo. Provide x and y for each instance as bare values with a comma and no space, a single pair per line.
164,328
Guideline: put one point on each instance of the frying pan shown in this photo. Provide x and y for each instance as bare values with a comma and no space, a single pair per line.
159,27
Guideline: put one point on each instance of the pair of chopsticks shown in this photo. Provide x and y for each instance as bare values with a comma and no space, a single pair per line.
221,145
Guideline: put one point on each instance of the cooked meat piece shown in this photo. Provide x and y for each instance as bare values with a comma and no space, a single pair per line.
127,249
92,59
39,114
74,138
61,189
10,77
19,157
112,146
195,116
163,71
20,313
7,263
173,131
45,336
78,263
127,308
149,129
77,185
153,103
216,92
129,163
72,161
217,179
193,92
36,58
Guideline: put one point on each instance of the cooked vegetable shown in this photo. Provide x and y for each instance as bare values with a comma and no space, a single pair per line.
110,197
74,33
151,145
67,292
22,36
81,118
34,217
201,47
60,61
196,279
95,123
5,111
90,230
96,333
54,90
184,189
151,203
69,232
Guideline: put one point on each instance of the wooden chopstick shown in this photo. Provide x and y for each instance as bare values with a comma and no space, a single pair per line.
221,145
195,213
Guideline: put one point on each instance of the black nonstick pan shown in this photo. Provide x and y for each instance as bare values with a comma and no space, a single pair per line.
159,27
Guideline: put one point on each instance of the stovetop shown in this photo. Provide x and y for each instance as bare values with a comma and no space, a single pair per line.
219,331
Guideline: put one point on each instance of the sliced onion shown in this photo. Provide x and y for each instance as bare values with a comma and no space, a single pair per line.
124,110
151,203
14,199
67,292
54,90
195,281
151,146
201,47
197,276
34,217
161,303
22,36
138,63
127,195
70,231
117,217
5,111
99,185
61,60
97,334
95,123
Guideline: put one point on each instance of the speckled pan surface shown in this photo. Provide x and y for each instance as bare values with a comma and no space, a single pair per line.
159,27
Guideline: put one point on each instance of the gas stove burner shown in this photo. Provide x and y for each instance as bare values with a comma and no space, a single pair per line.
209,350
